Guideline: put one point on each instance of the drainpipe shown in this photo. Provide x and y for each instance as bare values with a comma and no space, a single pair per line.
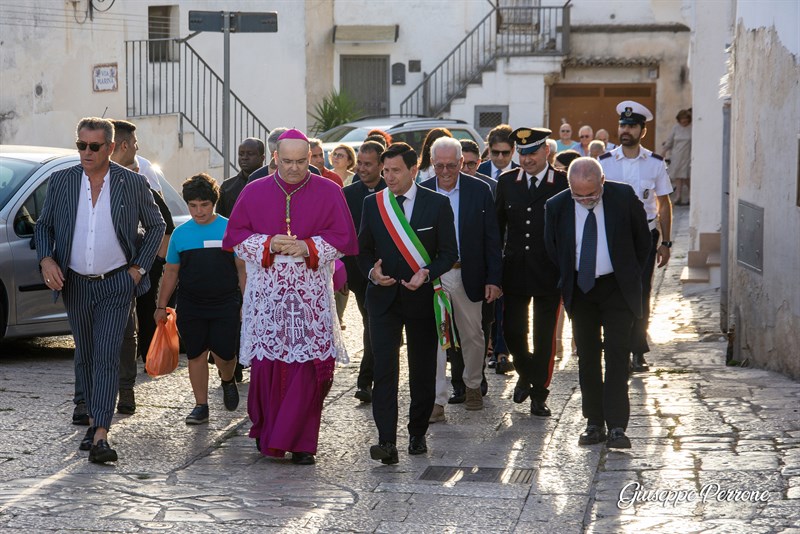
724,219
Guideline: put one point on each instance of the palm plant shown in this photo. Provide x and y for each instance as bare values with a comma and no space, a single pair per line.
334,109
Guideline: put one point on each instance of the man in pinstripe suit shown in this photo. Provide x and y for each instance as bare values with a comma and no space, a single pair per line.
90,252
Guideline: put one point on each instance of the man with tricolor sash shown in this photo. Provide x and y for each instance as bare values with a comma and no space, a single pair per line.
407,241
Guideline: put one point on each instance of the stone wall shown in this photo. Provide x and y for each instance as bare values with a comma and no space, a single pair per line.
765,115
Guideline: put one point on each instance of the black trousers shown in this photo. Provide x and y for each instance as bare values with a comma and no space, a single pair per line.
534,368
457,358
146,307
365,370
640,325
604,399
386,333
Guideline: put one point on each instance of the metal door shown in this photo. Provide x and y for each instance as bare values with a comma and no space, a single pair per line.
366,80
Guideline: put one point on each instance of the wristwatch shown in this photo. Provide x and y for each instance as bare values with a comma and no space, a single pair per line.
667,244
139,270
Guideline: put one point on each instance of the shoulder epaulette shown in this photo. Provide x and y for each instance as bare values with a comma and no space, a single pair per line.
657,156
605,155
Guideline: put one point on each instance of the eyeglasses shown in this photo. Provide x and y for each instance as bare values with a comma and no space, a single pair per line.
94,147
338,155
439,167
292,162
504,153
471,164
585,136
588,198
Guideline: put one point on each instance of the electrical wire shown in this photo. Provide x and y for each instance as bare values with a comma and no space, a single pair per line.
92,2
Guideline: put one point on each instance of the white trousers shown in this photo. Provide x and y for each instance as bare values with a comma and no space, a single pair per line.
470,329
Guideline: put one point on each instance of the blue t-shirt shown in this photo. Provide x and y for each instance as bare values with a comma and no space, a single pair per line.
207,273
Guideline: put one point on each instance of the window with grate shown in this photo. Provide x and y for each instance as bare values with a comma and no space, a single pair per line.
487,117
162,26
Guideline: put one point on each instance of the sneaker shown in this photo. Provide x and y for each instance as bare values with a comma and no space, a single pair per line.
198,416
437,415
230,394
80,416
127,402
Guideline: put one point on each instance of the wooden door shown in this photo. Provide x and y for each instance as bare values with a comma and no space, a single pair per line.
595,105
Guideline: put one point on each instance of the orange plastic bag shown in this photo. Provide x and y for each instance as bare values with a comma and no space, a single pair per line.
162,356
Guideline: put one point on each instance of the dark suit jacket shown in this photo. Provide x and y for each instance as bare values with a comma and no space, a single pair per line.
491,182
481,260
486,168
355,194
432,220
527,270
628,236
131,203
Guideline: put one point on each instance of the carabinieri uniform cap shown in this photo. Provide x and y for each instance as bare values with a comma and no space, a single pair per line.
631,112
529,140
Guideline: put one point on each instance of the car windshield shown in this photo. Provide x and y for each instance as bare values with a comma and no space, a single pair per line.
344,134
173,199
13,173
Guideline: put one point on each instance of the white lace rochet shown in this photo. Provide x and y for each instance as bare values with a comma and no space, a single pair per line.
289,311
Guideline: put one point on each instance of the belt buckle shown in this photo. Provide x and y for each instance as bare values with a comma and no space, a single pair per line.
95,277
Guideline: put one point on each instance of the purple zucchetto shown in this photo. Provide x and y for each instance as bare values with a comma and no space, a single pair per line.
293,133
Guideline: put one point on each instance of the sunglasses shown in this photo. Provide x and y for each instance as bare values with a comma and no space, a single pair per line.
501,153
94,147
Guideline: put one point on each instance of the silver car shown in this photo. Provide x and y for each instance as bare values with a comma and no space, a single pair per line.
26,304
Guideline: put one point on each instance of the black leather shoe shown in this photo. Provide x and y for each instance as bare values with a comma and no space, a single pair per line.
258,444
638,364
521,391
592,435
539,407
458,396
503,365
80,416
484,387
238,374
385,452
303,458
88,439
364,394
618,440
102,452
417,445
127,402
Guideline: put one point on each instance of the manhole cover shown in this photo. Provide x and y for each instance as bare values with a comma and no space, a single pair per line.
496,475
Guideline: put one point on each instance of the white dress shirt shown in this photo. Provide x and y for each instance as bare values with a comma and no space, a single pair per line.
603,257
539,177
408,204
95,247
452,196
495,174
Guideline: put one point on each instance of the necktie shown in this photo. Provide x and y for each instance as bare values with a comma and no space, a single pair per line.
533,184
586,270
497,174
400,200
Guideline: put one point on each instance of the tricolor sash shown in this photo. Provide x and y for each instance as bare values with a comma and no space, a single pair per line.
409,245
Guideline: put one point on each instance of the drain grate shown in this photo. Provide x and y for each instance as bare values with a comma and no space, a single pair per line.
495,475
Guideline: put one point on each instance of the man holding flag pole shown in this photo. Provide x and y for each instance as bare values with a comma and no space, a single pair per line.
407,241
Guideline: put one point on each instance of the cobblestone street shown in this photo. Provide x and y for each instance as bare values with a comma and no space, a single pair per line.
725,440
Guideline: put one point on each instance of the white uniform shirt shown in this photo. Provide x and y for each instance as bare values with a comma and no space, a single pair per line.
645,173
602,258
95,247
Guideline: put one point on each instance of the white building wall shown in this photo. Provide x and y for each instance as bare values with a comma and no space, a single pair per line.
765,117
712,33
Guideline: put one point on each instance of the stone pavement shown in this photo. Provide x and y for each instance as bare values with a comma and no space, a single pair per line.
715,449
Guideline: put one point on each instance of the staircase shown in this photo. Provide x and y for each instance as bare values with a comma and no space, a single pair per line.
168,77
702,270
503,33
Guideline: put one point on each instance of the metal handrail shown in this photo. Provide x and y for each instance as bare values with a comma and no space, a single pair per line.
504,32
168,76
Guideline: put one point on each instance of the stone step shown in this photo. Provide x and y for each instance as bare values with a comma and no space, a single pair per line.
695,275
714,259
